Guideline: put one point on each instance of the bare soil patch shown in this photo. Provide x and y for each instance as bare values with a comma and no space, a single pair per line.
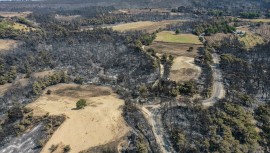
176,49
184,69
99,123
7,44
43,74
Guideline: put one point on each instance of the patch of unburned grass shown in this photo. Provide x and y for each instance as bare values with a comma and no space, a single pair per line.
170,36
21,27
251,39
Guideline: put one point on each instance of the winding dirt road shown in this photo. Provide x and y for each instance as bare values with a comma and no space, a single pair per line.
218,91
154,116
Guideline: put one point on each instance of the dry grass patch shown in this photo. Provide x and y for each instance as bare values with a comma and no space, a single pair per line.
43,74
98,123
143,10
4,88
170,36
14,14
184,69
7,44
148,26
257,20
251,39
216,39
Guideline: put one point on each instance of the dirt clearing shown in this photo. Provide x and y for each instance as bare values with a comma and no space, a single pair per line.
7,44
184,69
98,123
175,49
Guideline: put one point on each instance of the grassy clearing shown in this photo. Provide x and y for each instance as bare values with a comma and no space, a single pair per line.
170,36
99,123
148,26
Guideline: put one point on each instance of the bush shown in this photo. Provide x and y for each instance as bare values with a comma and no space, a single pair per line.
81,104
67,149
177,31
48,92
53,148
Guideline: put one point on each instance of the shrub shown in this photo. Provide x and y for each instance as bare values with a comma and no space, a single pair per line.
177,31
67,149
48,92
81,104
53,148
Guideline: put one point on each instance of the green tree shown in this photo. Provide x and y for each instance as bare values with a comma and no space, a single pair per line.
177,31
81,104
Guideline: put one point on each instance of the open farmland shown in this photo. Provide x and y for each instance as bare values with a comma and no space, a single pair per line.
100,122
148,26
170,36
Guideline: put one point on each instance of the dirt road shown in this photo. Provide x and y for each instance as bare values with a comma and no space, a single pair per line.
218,91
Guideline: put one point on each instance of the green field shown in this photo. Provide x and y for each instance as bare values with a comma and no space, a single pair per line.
171,37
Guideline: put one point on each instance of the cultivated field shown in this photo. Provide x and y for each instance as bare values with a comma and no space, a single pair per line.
176,49
98,123
7,44
170,36
148,26
184,69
